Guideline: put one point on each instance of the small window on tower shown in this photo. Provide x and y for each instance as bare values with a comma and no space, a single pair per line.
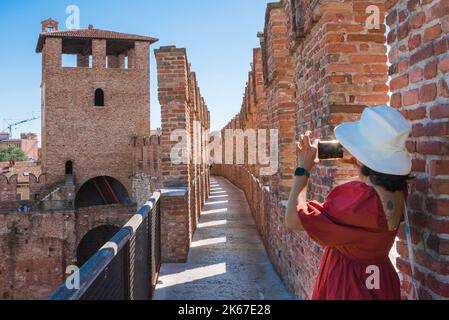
50,28
99,98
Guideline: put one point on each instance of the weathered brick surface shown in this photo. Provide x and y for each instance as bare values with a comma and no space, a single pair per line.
184,114
280,92
8,192
176,225
419,40
339,67
146,175
97,140
37,247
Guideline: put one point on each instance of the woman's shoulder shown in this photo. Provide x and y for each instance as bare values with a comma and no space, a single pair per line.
354,203
358,188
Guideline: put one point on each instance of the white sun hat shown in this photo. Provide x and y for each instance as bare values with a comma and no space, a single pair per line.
378,140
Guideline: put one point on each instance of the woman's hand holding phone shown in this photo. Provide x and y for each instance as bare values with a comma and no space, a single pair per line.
308,152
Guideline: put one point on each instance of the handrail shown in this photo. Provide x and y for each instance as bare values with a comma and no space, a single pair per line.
90,271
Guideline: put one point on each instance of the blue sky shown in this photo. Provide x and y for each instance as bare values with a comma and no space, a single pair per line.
219,36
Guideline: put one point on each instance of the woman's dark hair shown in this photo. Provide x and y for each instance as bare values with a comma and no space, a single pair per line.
390,182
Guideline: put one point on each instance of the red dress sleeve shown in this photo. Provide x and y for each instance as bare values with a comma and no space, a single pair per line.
351,213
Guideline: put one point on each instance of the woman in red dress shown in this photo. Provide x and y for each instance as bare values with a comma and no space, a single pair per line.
359,221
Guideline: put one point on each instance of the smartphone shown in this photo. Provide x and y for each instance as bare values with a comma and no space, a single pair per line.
330,150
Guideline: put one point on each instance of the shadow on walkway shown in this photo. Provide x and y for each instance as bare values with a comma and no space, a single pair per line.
227,259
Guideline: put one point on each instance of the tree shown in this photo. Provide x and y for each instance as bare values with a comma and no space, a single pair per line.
12,153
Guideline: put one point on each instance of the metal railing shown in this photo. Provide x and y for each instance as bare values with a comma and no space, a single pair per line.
125,268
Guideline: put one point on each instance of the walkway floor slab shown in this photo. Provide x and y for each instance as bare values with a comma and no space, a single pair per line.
227,259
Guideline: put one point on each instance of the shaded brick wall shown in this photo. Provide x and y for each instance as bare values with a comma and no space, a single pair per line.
37,247
338,68
147,174
419,56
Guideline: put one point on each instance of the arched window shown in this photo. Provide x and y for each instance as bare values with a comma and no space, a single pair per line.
99,98
69,168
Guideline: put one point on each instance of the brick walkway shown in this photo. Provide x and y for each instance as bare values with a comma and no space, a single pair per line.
227,259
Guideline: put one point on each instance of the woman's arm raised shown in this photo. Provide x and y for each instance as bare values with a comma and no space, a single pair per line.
297,195
306,160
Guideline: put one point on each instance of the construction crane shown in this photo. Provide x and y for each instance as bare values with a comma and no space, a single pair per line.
12,125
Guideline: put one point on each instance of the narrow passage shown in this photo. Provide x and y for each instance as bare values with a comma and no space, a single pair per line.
227,259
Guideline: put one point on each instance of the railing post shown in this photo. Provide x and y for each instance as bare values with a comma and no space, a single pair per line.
128,285
154,228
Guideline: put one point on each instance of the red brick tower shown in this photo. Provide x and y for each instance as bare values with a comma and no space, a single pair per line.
92,112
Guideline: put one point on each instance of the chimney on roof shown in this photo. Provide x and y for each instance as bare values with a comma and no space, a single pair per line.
49,25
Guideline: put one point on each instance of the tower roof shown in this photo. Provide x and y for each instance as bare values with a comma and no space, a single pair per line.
91,33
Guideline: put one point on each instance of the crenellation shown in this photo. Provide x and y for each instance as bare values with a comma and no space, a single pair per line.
321,66
184,112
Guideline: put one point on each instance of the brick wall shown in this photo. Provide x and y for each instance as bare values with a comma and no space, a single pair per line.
37,247
280,91
73,129
9,186
146,175
185,119
176,225
8,192
338,67
419,56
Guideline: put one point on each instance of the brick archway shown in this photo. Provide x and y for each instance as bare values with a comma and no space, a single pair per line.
102,190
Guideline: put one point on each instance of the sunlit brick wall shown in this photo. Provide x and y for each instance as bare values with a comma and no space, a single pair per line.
319,70
183,109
